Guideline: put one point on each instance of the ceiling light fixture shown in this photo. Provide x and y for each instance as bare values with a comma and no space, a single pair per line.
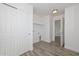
55,11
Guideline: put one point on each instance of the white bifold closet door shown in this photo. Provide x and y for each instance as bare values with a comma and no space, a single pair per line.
15,31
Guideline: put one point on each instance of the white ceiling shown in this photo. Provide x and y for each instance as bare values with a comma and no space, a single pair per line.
46,8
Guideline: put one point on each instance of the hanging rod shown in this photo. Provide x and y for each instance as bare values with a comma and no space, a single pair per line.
9,5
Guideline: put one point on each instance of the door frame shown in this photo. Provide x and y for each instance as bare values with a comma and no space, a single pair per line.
62,40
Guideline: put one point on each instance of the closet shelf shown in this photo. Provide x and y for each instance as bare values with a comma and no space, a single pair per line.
38,24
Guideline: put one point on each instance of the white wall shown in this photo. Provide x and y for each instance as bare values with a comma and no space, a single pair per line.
16,28
38,28
38,19
37,32
47,28
43,27
71,28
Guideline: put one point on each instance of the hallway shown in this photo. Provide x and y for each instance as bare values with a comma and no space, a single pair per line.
49,49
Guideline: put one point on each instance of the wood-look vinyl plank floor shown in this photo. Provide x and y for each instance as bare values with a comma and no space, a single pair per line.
49,49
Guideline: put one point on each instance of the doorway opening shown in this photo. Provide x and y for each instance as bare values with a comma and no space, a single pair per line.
59,32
